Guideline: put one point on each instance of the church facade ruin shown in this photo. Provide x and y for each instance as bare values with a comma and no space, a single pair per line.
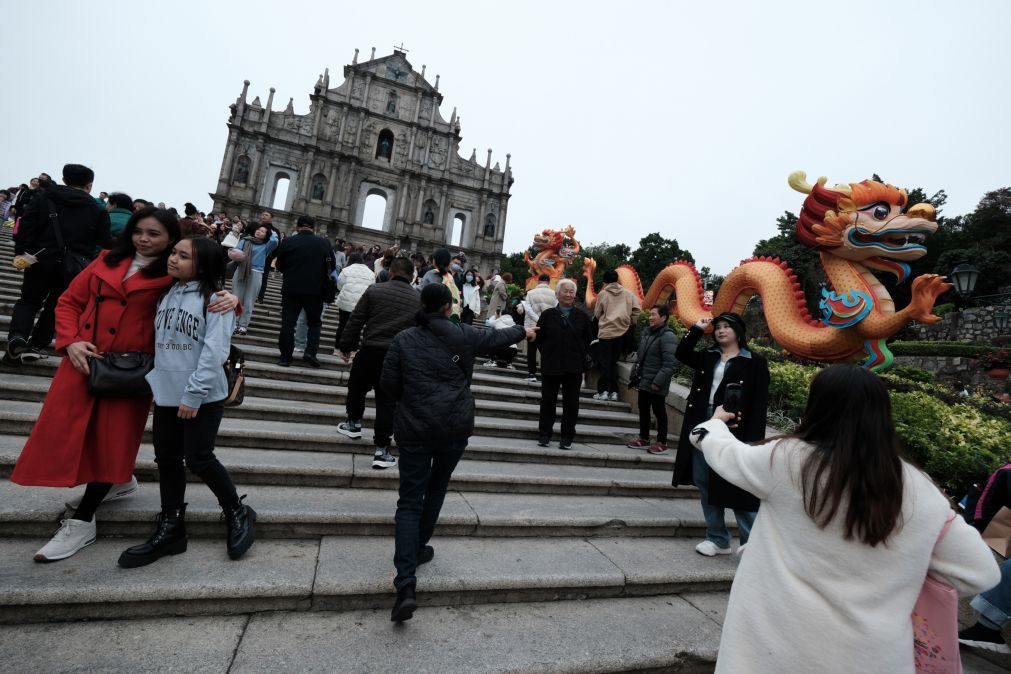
378,136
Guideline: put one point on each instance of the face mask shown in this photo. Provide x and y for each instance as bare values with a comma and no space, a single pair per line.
469,278
455,267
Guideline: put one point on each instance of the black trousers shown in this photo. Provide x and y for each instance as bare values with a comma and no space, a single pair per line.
531,359
291,307
365,371
190,441
342,321
570,384
424,478
610,351
41,288
655,403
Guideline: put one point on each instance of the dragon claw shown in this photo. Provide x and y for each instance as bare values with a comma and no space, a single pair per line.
926,289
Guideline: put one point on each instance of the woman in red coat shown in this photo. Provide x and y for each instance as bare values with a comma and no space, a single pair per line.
80,439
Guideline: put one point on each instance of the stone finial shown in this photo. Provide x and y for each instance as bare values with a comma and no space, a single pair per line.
290,110
423,66
473,156
497,168
508,157
373,57
437,82
354,61
256,102
245,89
319,82
452,120
488,163
326,78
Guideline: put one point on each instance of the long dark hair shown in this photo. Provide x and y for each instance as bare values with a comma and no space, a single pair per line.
124,248
848,421
209,265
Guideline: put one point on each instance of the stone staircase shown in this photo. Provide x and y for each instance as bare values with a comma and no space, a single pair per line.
546,560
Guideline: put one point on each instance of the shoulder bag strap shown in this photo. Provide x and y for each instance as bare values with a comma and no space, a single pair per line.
54,222
453,355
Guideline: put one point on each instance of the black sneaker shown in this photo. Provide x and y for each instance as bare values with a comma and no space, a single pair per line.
981,636
426,554
351,429
284,362
543,442
406,605
15,347
310,360
565,444
383,459
32,354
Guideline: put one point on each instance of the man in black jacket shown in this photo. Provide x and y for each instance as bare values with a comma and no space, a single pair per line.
83,228
305,260
384,310
563,337
428,370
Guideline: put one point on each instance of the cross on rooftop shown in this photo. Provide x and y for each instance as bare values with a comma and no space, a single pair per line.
401,48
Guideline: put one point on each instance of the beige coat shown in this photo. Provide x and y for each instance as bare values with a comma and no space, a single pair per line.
616,310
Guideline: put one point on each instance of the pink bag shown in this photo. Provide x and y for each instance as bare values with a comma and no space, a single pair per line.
935,625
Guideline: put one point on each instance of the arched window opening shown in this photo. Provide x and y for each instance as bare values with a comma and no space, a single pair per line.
375,211
242,169
384,146
280,200
429,211
391,103
489,226
318,187
456,236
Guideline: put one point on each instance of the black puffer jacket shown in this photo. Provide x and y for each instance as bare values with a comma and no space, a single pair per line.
84,224
384,310
305,260
433,391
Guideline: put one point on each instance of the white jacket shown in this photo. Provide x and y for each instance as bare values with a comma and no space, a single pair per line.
805,599
537,301
351,284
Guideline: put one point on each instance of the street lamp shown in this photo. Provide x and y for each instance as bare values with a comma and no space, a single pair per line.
964,276
1000,319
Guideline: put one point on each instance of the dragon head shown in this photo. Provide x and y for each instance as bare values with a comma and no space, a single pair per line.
863,222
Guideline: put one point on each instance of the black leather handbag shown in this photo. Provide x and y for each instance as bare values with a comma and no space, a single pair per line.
117,375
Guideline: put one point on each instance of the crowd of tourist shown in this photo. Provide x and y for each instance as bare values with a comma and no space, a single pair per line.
838,527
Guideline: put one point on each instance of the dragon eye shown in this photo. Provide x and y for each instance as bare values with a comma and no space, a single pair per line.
880,212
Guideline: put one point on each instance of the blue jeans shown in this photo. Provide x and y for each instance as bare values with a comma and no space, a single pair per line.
716,525
994,605
424,478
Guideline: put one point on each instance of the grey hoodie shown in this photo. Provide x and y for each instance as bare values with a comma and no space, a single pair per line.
191,345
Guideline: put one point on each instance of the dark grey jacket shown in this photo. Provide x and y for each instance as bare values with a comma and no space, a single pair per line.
433,391
384,310
305,260
656,359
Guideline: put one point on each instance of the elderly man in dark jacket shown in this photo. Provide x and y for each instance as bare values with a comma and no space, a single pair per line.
60,224
306,261
563,337
428,370
384,310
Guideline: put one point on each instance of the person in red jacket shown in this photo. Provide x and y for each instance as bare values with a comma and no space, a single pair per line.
78,438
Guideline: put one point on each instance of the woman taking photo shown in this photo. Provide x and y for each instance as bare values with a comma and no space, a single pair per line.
727,364
847,535
190,389
78,438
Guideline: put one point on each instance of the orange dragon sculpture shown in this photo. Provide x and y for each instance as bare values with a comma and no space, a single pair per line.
552,253
855,228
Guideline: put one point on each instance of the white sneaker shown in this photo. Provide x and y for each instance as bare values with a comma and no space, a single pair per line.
710,549
600,396
490,363
73,536
614,395
740,548
532,379
118,491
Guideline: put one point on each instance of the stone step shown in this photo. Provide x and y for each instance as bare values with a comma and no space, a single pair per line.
325,469
664,633
310,512
345,573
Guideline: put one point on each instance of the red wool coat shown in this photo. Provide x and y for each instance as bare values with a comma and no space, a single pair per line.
79,438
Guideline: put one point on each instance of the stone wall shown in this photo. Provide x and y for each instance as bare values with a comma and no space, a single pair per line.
952,369
968,325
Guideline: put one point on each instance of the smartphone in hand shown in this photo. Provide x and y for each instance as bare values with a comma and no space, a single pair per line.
732,397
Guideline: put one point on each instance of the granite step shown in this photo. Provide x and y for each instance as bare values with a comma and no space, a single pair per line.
345,573
311,512
325,469
665,633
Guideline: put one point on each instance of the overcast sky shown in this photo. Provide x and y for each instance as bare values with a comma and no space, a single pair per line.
622,118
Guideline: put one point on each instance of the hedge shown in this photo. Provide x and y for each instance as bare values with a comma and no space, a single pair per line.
956,349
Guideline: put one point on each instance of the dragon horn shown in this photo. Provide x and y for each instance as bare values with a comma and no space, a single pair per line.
798,181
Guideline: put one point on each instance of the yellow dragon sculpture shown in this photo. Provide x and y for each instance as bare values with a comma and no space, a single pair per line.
855,228
551,253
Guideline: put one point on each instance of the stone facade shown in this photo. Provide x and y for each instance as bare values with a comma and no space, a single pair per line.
969,325
380,132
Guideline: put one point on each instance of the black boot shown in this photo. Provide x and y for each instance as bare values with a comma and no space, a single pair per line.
241,533
406,604
169,538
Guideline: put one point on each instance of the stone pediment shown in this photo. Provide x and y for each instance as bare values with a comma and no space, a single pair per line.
393,68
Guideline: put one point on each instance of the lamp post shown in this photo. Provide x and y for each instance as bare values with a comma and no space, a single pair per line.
1000,320
964,276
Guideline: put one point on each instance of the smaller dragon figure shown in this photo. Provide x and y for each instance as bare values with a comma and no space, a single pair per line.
855,228
552,252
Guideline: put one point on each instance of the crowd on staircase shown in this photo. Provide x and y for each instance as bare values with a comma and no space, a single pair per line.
134,298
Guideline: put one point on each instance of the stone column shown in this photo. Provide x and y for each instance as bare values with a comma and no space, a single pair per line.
441,223
332,184
256,171
422,197
227,164
365,94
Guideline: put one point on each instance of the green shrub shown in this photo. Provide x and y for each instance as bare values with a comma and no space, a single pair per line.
955,349
788,386
942,309
911,373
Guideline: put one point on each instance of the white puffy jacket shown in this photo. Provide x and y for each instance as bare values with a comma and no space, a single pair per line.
351,284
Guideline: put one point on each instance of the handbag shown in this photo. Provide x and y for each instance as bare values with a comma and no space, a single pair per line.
935,625
117,375
235,376
230,240
73,262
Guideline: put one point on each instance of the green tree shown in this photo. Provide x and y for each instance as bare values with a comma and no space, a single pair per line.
606,255
803,260
517,266
653,254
